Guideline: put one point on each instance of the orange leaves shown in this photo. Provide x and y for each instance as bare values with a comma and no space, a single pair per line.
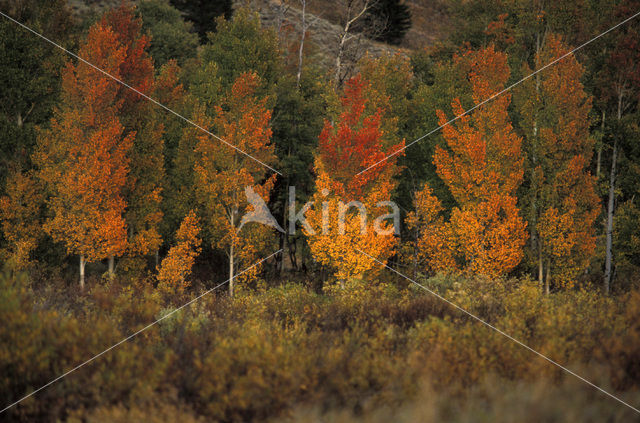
137,69
434,245
338,249
139,116
355,143
487,70
485,151
499,30
84,157
482,167
176,266
20,219
490,236
102,158
222,174
82,84
346,148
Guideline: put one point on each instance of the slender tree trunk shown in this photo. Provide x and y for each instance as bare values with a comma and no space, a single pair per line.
415,254
82,263
112,262
540,267
343,39
535,241
232,219
610,208
304,32
157,257
231,268
547,280
599,161
293,252
279,263
284,241
344,36
20,119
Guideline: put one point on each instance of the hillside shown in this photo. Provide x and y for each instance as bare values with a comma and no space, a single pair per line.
429,22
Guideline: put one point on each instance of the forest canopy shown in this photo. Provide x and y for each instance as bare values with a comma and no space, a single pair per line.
295,216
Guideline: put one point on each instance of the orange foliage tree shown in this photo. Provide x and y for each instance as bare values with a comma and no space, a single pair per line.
138,115
83,157
222,174
353,144
561,201
483,167
176,266
20,212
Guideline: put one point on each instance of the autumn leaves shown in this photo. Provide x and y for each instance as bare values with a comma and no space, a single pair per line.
102,165
483,162
482,166
221,176
102,161
84,158
344,148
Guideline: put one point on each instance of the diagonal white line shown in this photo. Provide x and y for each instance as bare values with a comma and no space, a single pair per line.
156,102
493,97
136,333
499,331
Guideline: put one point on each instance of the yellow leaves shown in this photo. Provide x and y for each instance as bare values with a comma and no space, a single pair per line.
340,234
559,240
482,167
345,148
562,201
19,219
222,174
176,266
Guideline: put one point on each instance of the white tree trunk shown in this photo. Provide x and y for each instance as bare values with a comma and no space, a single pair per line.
599,161
112,262
540,266
232,219
610,210
301,50
231,267
82,264
344,36
547,281
343,39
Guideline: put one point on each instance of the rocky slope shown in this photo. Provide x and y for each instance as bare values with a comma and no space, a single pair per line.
325,18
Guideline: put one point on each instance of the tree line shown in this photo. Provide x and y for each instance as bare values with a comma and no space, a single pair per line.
541,180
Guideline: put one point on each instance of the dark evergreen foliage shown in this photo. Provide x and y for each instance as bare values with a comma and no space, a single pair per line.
390,20
203,13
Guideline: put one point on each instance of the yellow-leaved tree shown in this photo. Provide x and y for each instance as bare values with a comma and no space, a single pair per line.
482,165
561,202
20,212
223,175
348,208
176,266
